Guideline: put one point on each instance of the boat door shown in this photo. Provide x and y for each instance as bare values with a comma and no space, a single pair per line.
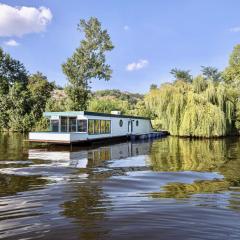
130,126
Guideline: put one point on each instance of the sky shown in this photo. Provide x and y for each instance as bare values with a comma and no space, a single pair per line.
150,36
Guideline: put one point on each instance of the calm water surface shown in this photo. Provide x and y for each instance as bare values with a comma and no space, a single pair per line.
163,189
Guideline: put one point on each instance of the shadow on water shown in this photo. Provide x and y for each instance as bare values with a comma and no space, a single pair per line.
168,188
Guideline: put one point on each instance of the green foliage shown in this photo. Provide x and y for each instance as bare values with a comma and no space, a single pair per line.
232,73
132,98
198,109
181,75
22,98
41,125
40,90
11,72
87,62
153,86
211,73
108,104
207,106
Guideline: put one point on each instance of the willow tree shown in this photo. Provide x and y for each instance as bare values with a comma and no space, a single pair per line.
87,62
202,108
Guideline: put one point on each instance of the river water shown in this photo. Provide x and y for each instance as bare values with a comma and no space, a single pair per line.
168,188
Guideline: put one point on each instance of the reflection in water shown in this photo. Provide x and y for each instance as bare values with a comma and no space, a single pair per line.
121,191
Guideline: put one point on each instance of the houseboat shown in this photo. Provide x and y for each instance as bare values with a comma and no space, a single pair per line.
72,127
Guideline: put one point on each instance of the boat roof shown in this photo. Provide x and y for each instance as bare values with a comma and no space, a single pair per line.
86,113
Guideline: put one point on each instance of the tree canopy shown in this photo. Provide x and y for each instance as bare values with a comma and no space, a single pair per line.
87,62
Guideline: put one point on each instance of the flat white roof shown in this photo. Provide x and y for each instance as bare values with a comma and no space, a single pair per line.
86,113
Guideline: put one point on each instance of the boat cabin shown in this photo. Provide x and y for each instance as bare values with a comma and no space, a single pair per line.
68,127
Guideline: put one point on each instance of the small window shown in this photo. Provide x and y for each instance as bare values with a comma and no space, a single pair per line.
121,123
137,123
64,124
72,124
54,125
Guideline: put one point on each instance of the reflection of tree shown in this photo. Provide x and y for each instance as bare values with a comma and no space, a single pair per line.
88,208
179,154
12,184
182,190
12,146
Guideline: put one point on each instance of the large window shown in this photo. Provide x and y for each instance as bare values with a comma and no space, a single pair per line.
103,126
108,126
64,124
96,126
90,126
54,125
82,125
72,124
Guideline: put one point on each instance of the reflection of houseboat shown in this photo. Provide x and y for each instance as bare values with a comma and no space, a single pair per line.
92,157
69,127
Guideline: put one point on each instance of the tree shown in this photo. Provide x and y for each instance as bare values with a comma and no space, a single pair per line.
183,75
87,62
232,73
11,71
132,98
211,73
14,100
40,89
108,104
153,86
198,109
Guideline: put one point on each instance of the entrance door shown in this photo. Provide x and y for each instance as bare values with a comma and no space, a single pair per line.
130,126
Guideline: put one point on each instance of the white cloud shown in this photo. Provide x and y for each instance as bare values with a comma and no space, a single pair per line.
126,27
137,65
17,21
11,43
235,29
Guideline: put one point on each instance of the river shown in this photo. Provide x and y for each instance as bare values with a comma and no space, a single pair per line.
169,188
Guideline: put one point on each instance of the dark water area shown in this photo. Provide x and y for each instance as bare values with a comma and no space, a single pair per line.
168,188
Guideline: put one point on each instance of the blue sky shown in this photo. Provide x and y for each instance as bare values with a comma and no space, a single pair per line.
150,37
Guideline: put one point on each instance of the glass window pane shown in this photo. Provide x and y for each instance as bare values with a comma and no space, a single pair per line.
82,125
90,126
72,124
108,126
103,126
64,121
96,126
54,125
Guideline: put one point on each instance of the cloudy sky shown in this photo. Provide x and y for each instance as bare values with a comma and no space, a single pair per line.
150,37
